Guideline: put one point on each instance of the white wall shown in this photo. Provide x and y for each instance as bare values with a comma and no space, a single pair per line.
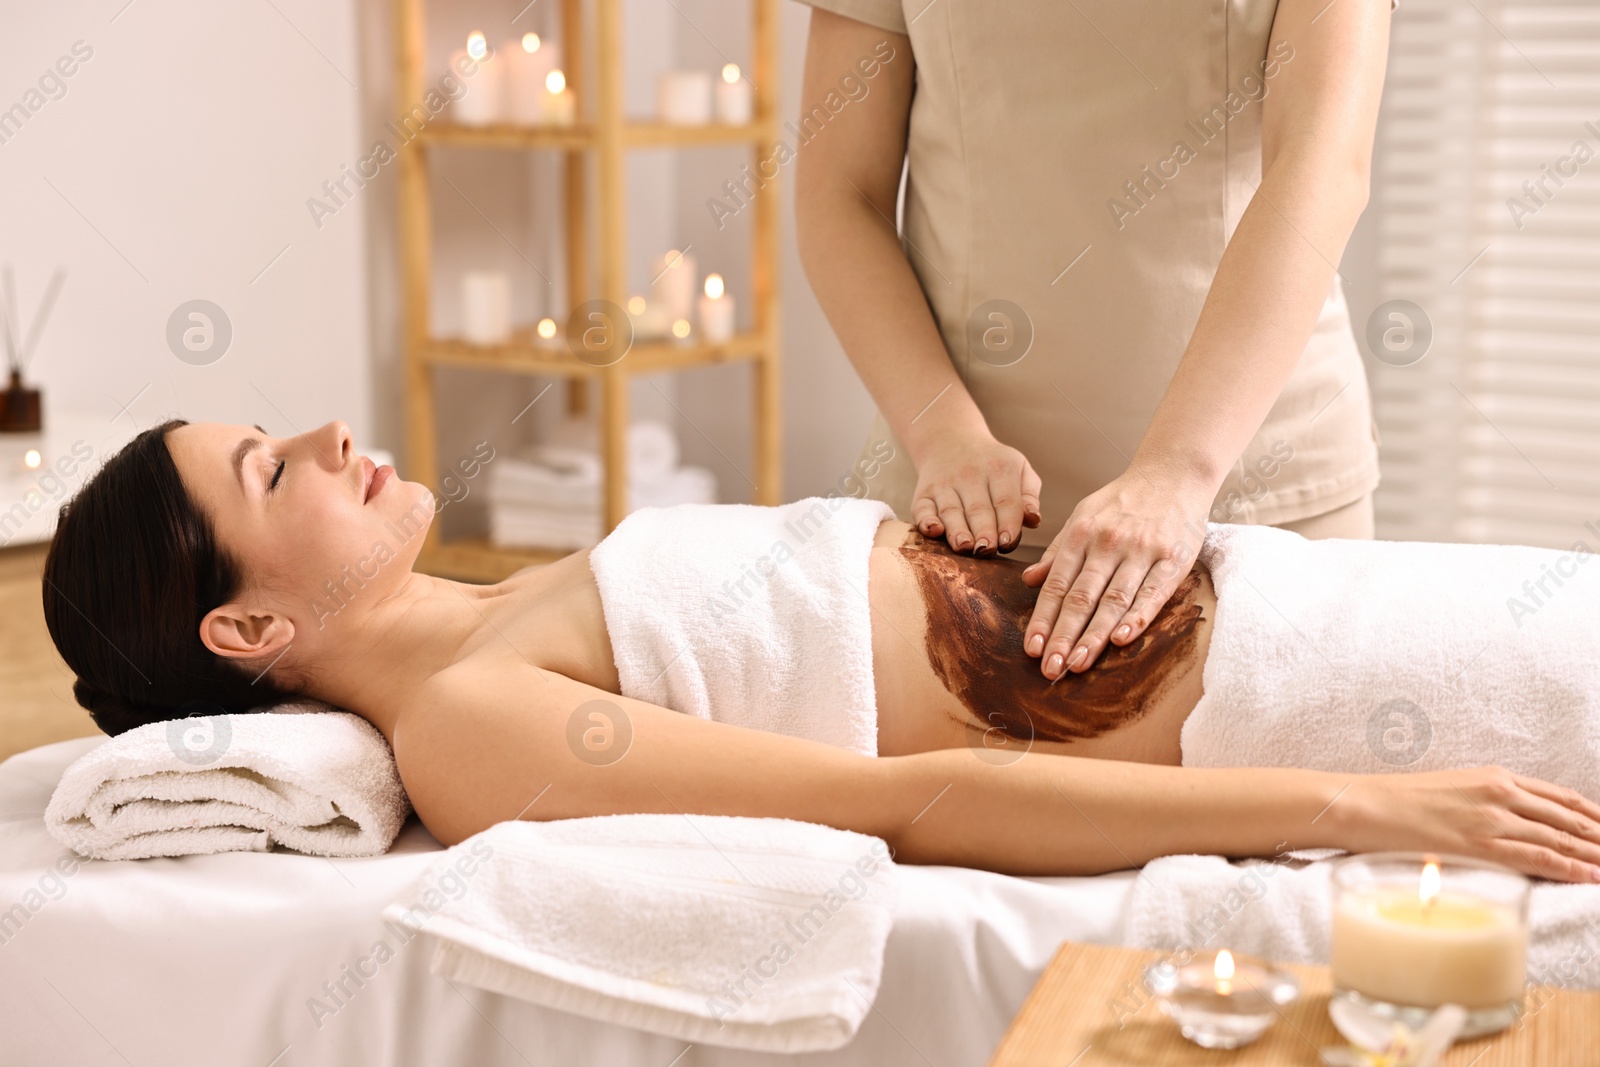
176,166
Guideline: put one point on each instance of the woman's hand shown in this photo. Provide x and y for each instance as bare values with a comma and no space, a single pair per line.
1484,812
1112,566
975,492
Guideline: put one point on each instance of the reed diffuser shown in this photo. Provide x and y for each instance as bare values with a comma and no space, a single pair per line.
21,410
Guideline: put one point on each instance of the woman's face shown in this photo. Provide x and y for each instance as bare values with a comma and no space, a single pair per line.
317,528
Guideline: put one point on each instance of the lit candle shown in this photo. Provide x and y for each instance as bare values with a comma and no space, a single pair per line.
672,286
684,98
733,97
1220,1002
716,311
650,320
483,103
486,307
1418,945
531,61
559,107
546,330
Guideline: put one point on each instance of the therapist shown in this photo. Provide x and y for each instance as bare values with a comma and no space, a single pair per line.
1113,312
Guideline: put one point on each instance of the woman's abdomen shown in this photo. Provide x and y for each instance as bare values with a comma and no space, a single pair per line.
951,670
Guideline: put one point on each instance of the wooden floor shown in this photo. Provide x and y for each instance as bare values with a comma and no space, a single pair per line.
36,705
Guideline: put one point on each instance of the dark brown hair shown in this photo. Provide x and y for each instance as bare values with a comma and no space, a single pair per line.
133,568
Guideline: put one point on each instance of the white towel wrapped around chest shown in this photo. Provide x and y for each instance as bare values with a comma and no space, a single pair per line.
1373,656
754,616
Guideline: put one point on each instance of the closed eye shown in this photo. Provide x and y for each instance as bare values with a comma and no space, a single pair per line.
277,475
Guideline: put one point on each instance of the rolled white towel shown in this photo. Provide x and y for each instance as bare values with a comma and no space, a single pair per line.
761,934
306,776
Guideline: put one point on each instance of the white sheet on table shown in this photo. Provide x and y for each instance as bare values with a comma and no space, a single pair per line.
213,959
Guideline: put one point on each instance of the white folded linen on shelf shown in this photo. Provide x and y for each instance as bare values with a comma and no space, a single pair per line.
568,516
550,495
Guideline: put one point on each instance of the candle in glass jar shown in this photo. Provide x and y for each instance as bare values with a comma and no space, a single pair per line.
483,102
1417,945
716,311
733,97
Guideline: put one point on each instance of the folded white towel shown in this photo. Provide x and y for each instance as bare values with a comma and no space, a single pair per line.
306,776
761,934
1283,912
567,471
524,487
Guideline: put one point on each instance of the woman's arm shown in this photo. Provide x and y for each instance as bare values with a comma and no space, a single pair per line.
971,487
482,751
1108,567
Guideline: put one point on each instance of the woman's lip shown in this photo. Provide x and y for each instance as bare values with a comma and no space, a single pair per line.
380,478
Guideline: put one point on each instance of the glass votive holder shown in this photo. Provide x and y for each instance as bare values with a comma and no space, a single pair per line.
1220,1000
1413,931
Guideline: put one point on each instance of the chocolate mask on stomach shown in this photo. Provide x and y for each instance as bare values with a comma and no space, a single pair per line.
977,610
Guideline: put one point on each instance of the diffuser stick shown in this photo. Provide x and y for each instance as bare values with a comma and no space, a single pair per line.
41,317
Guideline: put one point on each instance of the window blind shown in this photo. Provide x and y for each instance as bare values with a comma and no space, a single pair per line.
1486,184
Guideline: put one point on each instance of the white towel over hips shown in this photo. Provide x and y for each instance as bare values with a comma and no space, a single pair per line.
1375,656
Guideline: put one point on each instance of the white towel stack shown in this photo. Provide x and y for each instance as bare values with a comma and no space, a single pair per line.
549,496
760,934
306,776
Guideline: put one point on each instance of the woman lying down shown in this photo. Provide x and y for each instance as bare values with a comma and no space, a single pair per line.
821,661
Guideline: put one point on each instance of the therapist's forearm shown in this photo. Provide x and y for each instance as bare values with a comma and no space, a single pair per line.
1264,302
876,306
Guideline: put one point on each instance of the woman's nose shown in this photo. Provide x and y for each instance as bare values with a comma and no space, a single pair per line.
335,443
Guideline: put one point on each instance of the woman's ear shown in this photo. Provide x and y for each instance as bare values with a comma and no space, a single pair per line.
235,633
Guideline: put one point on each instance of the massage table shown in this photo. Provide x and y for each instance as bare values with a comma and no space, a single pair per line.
223,959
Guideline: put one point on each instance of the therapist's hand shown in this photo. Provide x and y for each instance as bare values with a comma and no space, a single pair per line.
975,492
1112,567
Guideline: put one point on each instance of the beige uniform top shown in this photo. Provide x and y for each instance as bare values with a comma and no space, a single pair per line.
1085,164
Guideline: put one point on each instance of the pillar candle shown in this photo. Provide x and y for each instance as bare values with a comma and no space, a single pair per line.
482,75
530,61
716,312
557,107
486,307
684,98
673,287
734,103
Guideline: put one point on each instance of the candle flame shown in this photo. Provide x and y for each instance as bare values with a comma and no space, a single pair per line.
1223,969
555,81
730,73
31,459
714,286
531,42
636,305
680,328
1428,887
477,47
547,328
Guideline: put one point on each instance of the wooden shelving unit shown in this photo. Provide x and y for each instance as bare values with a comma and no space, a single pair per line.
604,134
